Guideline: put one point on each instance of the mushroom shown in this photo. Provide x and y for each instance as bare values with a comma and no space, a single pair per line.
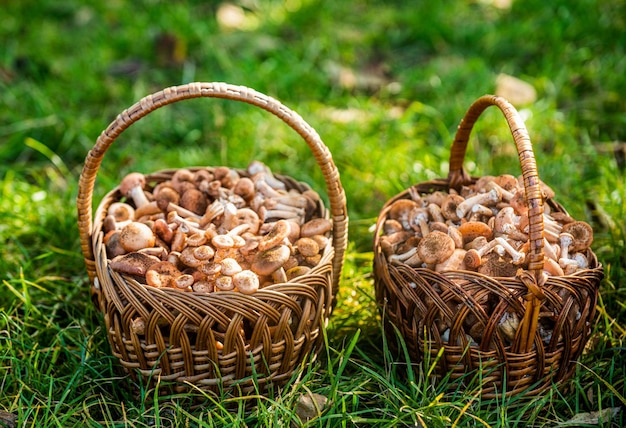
183,282
134,263
317,226
224,283
401,211
297,271
132,187
230,266
516,256
473,256
435,247
494,265
244,188
307,247
269,260
566,240
449,206
122,213
196,256
162,230
418,219
551,267
454,262
258,170
489,198
582,235
472,229
276,235
194,201
162,274
246,282
113,246
135,236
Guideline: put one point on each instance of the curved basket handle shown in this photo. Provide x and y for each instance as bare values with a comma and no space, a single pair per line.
336,195
457,176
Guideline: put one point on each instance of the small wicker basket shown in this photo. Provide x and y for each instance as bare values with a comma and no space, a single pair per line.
416,300
181,328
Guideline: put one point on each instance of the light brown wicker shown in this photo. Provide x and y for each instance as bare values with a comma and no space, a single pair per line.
418,300
266,336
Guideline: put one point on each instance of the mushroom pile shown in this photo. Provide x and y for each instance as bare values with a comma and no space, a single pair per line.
482,228
212,229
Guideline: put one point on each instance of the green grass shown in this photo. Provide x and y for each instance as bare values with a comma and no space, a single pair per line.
67,68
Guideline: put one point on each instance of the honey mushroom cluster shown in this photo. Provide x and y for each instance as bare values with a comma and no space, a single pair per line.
212,229
484,228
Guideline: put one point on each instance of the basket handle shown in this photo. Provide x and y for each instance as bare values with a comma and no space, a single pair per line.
336,195
457,176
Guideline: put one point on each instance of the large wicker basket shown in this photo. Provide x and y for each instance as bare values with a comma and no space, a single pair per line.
417,300
179,345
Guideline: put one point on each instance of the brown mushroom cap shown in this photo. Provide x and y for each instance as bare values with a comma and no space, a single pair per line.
194,201
130,182
449,206
162,274
121,212
276,236
435,247
582,234
269,260
316,226
133,263
495,265
472,229
135,236
401,210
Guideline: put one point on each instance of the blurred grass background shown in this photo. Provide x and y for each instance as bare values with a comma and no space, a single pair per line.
384,83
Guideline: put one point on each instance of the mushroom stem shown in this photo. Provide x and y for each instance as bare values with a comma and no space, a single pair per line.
487,199
517,256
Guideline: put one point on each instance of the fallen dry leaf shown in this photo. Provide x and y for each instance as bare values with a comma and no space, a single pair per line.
7,419
591,418
515,90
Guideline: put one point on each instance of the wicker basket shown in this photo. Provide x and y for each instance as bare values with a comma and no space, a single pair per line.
181,329
417,300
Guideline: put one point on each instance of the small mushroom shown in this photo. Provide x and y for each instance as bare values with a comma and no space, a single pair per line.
566,240
122,213
435,247
401,211
132,187
230,266
473,256
246,282
449,206
162,275
582,235
224,283
307,247
135,236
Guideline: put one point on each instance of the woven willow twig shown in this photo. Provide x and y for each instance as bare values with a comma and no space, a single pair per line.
222,339
420,302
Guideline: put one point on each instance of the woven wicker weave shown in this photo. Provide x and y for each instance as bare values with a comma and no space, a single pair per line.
417,300
266,335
